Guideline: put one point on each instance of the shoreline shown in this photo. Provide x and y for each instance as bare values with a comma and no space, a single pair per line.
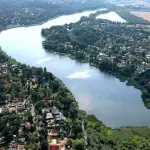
68,55
129,81
44,21
119,76
62,83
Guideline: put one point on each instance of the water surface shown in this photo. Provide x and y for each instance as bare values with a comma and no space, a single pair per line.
112,16
100,94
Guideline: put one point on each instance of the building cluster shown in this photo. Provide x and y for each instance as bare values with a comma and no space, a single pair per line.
54,123
18,139
20,106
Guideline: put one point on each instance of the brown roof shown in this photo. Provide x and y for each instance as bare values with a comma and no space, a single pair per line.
12,109
5,107
54,147
27,124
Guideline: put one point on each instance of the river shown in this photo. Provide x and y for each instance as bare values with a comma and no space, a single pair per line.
110,100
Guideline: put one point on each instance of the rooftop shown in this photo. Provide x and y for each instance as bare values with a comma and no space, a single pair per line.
27,124
54,147
49,116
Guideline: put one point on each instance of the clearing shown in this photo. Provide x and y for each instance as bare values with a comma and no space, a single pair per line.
144,15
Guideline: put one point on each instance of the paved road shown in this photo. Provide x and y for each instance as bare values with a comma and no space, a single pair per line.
84,132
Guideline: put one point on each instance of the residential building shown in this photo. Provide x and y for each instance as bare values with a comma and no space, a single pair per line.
55,111
5,109
49,116
60,118
54,147
20,106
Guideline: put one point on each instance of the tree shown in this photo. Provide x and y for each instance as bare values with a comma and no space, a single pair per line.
39,71
79,144
45,70
44,145
56,84
30,117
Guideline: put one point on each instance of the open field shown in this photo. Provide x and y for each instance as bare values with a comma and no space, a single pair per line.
144,15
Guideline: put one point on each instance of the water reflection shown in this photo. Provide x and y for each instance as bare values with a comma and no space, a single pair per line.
98,93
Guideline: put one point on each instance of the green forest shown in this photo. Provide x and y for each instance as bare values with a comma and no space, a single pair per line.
15,13
27,12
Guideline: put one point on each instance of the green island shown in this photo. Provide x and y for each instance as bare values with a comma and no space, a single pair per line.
37,110
120,49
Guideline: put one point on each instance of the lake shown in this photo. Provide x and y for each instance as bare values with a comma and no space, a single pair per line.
103,95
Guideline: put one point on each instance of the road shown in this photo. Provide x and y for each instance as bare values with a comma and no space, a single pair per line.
84,132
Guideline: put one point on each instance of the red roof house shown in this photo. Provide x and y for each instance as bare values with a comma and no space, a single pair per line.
5,108
53,147
27,125
69,141
14,146
54,132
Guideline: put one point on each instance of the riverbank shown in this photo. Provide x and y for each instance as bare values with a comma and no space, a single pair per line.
30,25
88,49
99,136
100,131
77,77
44,21
41,91
127,80
95,131
119,76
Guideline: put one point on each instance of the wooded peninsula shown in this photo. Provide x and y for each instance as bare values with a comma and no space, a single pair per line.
121,49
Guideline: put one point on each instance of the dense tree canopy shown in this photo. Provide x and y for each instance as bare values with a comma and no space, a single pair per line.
27,12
